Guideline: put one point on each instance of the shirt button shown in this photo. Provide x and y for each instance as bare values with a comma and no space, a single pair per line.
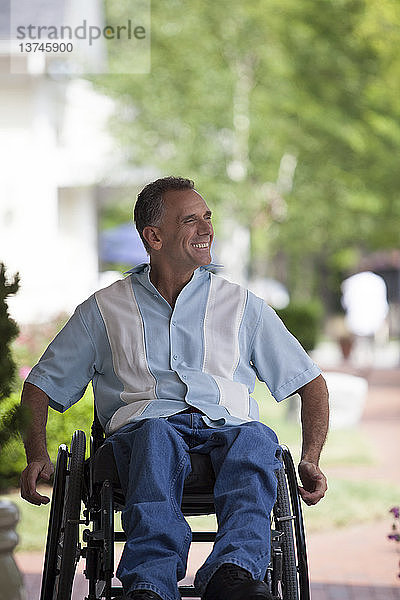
175,356
174,323
184,376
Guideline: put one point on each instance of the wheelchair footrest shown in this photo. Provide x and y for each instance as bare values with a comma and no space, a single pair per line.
116,592
203,536
188,591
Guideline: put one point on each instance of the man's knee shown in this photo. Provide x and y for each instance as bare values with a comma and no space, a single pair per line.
254,430
255,438
156,430
263,429
159,434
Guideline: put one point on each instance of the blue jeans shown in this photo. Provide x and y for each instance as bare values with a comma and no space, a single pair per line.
153,462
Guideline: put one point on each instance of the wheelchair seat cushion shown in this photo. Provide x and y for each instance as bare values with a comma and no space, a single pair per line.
200,480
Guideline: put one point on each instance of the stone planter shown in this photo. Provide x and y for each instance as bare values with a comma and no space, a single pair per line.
347,398
11,584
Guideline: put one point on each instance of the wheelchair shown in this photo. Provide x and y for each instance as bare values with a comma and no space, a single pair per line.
87,494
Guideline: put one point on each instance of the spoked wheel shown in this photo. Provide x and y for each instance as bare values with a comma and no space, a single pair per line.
288,521
56,513
68,543
300,536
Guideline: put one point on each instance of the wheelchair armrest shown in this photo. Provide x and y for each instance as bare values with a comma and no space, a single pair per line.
104,466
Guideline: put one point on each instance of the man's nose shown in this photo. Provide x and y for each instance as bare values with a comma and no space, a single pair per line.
204,227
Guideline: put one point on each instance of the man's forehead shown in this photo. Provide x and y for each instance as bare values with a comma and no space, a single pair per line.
183,202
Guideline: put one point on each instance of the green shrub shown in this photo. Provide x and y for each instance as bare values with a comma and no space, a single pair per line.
26,350
60,428
8,331
12,416
304,321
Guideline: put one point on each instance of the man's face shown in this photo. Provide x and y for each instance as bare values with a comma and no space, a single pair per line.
185,231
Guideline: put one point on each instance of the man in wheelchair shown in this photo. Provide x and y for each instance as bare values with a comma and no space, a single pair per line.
172,352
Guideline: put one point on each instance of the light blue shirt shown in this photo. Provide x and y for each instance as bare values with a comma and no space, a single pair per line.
146,359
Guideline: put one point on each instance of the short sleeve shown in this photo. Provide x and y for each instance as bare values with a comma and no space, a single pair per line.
278,358
67,366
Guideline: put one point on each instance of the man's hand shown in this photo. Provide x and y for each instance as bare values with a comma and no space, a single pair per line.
314,420
39,463
36,470
314,482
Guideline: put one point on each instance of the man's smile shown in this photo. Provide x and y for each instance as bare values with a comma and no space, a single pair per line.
201,245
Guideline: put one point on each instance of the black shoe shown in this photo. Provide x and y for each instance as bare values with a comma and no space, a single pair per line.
142,595
231,582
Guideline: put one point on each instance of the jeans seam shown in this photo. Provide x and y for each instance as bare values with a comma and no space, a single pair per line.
184,545
177,509
153,588
178,469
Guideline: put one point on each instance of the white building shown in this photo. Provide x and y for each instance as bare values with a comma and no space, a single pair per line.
54,152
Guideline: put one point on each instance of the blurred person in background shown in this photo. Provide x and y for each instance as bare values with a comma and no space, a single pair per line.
364,298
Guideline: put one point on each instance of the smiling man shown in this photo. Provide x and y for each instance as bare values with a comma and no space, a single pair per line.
173,352
181,240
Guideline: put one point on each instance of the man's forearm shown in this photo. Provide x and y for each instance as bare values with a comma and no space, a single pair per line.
34,437
39,465
314,418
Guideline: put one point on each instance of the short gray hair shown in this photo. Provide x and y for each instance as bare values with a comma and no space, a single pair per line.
149,207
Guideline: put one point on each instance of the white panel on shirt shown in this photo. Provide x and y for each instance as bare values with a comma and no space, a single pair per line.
125,332
224,314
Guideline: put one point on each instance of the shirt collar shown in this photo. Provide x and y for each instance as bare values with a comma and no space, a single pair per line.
145,268
138,268
142,273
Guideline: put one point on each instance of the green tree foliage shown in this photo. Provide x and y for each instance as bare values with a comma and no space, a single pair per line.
285,114
11,417
8,331
10,412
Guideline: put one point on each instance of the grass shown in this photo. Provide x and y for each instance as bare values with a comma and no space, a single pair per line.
344,448
349,501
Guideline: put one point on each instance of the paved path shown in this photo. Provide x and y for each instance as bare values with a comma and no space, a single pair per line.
356,563
360,562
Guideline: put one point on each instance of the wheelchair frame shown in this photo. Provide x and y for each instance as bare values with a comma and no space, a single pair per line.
75,483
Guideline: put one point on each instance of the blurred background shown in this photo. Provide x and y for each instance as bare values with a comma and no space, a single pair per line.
286,116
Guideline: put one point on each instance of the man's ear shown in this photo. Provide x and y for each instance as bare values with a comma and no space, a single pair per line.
152,237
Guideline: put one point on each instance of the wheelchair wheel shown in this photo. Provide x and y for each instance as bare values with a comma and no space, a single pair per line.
56,513
300,536
62,549
69,537
288,521
284,524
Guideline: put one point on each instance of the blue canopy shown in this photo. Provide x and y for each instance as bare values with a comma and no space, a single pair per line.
122,245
